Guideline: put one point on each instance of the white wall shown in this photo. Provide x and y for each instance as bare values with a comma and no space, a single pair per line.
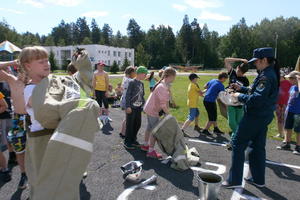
96,53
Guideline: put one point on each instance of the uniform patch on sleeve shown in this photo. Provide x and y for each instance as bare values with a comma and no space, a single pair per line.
262,83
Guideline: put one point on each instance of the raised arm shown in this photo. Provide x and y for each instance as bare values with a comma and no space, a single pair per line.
4,65
17,91
228,62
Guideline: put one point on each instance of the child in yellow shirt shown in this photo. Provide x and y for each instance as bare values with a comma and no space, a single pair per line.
192,102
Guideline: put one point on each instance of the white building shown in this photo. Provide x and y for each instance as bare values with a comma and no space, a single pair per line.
97,53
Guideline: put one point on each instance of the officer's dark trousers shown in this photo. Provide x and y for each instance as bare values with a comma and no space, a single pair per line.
254,129
133,124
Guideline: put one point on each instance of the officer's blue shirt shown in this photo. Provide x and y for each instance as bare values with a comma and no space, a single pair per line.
294,100
261,98
214,87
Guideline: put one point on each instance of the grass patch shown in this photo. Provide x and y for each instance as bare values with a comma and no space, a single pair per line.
179,90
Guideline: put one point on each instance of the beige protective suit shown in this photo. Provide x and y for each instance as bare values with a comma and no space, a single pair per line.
57,157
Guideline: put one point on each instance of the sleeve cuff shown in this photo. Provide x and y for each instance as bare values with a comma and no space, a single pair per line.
242,98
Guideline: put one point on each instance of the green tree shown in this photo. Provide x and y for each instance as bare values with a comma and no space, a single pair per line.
125,64
135,34
114,68
86,40
84,30
49,41
95,32
52,61
62,31
141,56
185,41
107,34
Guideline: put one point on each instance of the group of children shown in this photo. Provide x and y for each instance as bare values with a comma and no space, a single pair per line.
131,94
288,111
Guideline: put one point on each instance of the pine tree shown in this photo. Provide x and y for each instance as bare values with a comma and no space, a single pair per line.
96,32
52,61
135,34
107,34
125,64
114,68
86,40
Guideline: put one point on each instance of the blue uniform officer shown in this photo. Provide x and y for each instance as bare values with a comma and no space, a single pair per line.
259,105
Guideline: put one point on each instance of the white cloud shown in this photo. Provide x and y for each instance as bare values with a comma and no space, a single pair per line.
179,7
127,16
204,3
95,14
67,3
44,3
34,3
214,16
12,11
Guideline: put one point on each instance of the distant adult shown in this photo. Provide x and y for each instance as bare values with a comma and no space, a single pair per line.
100,84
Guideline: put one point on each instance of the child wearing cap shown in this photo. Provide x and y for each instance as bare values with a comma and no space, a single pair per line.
158,101
213,88
192,102
100,85
292,118
134,105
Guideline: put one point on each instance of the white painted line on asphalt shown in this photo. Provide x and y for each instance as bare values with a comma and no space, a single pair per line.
221,169
205,142
282,164
269,162
236,195
173,198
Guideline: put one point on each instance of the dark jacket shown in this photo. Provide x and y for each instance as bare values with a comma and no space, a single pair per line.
261,98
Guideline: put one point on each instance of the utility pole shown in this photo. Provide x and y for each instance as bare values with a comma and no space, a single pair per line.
276,38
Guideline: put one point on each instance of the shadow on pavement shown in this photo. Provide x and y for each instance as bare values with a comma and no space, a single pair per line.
284,172
84,194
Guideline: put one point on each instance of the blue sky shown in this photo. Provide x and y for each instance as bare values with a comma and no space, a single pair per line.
42,15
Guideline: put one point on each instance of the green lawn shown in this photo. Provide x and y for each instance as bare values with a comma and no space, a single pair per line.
179,90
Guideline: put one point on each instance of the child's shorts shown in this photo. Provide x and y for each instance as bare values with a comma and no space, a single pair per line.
292,121
17,134
151,122
280,111
194,112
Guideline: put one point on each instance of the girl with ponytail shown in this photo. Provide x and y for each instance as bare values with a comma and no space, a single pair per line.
157,101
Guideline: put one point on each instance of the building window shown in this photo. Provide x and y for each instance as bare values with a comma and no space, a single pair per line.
92,59
99,51
125,54
108,63
115,53
119,54
129,54
108,53
119,62
65,54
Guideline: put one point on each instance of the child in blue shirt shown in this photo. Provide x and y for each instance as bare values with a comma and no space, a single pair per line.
213,88
292,116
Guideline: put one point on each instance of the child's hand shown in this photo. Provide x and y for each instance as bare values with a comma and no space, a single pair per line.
236,86
235,95
201,94
128,111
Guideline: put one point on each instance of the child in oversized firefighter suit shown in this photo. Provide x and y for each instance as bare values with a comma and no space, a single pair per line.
62,125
